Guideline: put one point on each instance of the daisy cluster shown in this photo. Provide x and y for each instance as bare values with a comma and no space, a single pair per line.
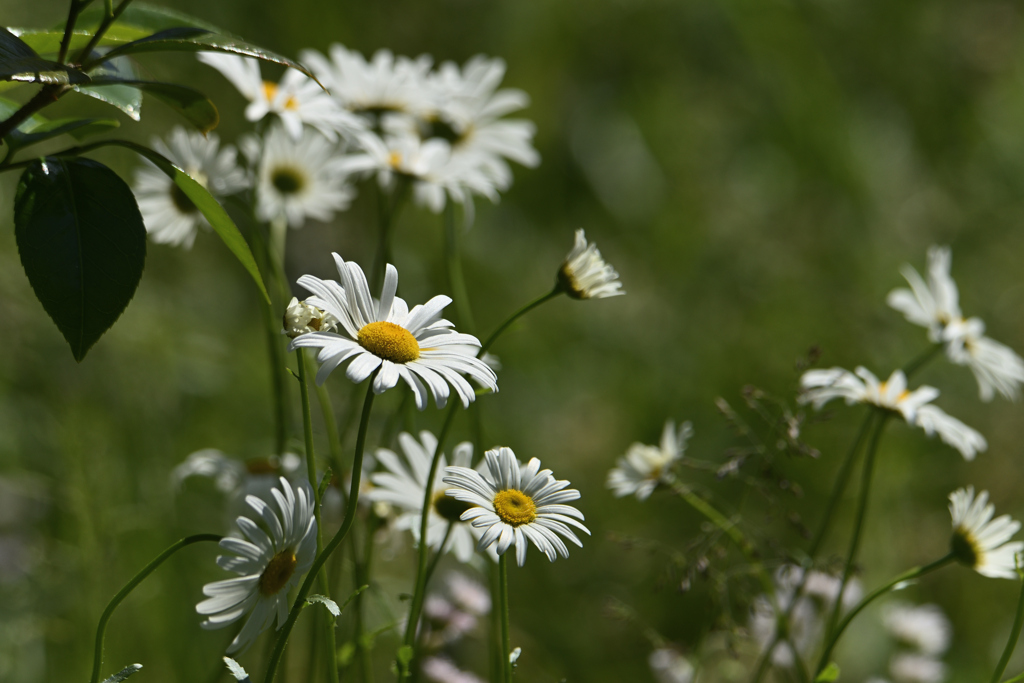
444,131
922,634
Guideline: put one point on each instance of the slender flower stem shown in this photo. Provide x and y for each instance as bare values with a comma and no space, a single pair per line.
69,27
1011,643
130,586
494,633
1016,679
515,316
421,569
362,576
909,575
858,526
456,279
346,525
387,208
922,360
440,551
277,386
331,425
506,642
325,585
108,20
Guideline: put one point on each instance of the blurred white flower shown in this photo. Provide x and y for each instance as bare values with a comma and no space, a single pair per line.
979,541
269,564
468,594
935,305
296,99
515,504
668,666
303,317
300,178
442,670
402,485
923,627
818,387
414,345
806,616
169,215
910,667
644,467
585,275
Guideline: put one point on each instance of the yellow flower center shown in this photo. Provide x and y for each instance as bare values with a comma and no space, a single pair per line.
269,90
394,159
515,508
389,341
279,570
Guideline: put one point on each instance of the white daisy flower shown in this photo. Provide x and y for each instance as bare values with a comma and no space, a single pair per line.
644,467
296,99
384,84
470,102
442,670
170,216
585,275
517,503
301,317
269,563
668,666
935,305
818,387
911,667
416,346
234,477
444,623
923,627
468,594
403,486
299,180
979,541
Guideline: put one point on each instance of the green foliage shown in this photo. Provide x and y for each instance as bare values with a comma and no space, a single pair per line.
123,673
19,62
189,102
82,245
829,674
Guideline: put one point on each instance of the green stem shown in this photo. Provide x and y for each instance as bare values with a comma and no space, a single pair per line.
440,551
387,209
909,575
325,585
108,20
331,425
350,515
506,641
362,574
922,360
46,96
494,634
277,386
456,279
858,526
421,568
130,586
1016,679
1011,644
515,316
69,28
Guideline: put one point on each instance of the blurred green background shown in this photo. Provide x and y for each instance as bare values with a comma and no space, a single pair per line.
756,172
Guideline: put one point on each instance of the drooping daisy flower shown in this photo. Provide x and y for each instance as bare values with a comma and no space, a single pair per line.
403,486
269,563
517,503
300,179
170,216
922,627
935,305
644,467
416,346
302,317
821,386
442,670
585,275
980,542
296,99
668,666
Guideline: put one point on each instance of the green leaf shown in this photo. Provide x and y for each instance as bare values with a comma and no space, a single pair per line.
48,42
79,128
142,20
8,107
124,97
82,244
19,62
210,208
189,102
331,606
829,674
206,43
405,654
123,673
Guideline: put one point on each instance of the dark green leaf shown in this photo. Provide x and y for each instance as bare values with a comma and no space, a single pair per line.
124,97
210,208
8,107
19,62
143,20
82,244
188,102
79,128
207,43
48,42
